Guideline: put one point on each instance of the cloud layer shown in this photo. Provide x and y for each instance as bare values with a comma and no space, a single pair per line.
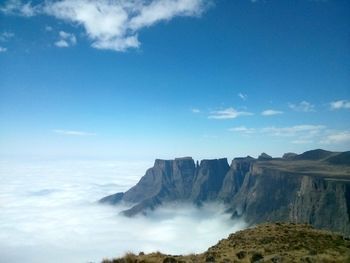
49,214
110,24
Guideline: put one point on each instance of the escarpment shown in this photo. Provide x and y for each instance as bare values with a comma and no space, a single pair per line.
312,188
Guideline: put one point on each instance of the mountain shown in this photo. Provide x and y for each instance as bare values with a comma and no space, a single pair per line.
279,242
312,187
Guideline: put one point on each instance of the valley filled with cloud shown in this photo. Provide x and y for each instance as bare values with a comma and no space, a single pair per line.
49,214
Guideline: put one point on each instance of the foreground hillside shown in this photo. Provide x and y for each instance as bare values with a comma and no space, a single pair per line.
273,242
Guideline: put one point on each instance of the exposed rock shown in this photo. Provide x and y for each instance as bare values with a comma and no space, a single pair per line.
289,156
234,178
112,199
264,156
313,187
208,180
174,180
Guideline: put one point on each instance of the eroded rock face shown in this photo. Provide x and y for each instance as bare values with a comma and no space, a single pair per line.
174,180
313,188
234,178
322,203
209,179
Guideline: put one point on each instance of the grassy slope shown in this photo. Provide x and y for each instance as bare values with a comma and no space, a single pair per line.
265,243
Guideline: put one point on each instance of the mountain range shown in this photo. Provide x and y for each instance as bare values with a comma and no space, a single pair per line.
312,187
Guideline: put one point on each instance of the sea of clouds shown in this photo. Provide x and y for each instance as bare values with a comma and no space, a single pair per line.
49,213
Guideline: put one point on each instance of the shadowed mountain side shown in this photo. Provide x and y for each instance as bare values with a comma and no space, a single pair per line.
264,243
313,188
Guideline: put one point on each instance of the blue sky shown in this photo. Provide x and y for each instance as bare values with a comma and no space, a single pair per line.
166,78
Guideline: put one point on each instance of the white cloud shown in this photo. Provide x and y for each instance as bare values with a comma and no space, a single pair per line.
74,133
243,96
271,112
16,7
337,137
303,106
229,113
305,130
243,129
111,24
3,49
66,39
195,110
340,104
48,28
5,36
49,214
301,134
301,141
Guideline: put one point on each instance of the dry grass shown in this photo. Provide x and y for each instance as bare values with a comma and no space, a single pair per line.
265,243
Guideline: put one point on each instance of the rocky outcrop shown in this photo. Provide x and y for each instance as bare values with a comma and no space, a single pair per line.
174,180
208,180
322,203
313,188
234,178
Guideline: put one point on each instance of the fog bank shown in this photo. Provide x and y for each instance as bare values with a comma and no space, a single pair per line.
49,214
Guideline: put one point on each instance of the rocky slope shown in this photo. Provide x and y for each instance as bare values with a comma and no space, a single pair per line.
264,243
313,188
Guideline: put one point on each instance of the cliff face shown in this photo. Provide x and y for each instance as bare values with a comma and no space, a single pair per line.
308,188
322,203
208,180
174,180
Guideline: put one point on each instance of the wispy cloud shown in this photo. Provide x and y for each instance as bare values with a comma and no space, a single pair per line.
243,129
73,133
297,134
229,113
16,7
300,134
289,131
3,49
243,96
302,141
302,106
339,104
48,28
110,24
195,110
271,112
66,39
5,36
336,137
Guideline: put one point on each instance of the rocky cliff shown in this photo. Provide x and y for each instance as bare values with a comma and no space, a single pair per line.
313,188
